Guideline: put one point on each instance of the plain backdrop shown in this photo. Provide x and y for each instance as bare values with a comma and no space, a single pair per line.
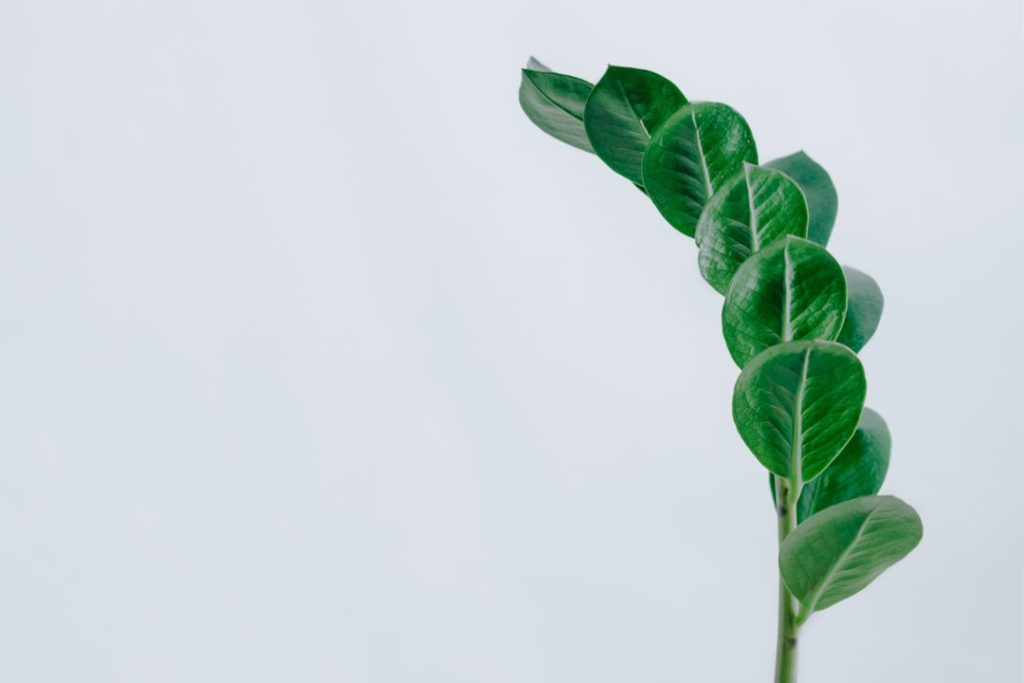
321,363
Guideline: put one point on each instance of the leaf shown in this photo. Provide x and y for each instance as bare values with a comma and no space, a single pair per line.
555,103
863,311
822,199
838,552
536,65
694,153
858,470
626,106
755,208
797,404
791,289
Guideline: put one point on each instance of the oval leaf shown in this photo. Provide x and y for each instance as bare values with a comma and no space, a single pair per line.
797,404
754,209
555,103
822,199
792,289
858,470
864,310
624,109
694,153
838,552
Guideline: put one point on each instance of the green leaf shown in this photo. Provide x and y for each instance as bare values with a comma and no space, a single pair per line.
626,106
819,190
555,103
694,153
536,65
858,470
755,208
797,404
791,289
838,552
864,310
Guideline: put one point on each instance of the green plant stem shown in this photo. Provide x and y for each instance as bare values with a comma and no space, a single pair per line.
785,653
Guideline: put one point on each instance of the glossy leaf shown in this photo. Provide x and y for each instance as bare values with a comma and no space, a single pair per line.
792,289
819,190
797,404
555,103
625,108
838,552
858,470
754,209
864,310
693,154
793,319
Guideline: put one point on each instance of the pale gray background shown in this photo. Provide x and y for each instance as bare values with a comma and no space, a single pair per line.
320,363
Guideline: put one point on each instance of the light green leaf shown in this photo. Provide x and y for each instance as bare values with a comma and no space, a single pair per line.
858,470
791,289
838,552
797,404
626,106
555,103
694,153
536,65
864,310
755,208
819,190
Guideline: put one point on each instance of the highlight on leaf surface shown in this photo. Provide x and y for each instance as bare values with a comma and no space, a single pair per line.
863,311
839,551
792,289
625,108
822,199
555,103
797,404
757,207
694,153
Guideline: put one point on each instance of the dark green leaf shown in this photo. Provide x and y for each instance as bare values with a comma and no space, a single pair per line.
791,289
819,190
695,152
755,208
797,404
858,470
864,310
839,551
626,106
555,102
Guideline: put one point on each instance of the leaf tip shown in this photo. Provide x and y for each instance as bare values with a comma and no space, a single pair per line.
535,64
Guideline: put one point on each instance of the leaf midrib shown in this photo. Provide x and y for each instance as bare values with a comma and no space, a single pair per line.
700,153
797,438
755,238
620,86
553,102
787,284
832,570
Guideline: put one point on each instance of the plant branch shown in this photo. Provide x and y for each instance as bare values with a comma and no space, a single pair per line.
785,653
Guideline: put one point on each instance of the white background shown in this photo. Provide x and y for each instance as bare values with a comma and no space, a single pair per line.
320,363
